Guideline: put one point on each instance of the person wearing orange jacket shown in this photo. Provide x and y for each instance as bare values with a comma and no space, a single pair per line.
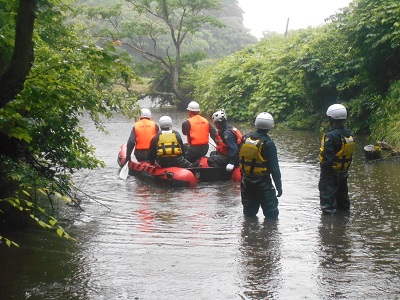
141,135
197,130
227,143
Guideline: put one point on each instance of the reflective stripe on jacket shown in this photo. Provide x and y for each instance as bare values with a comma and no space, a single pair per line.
145,129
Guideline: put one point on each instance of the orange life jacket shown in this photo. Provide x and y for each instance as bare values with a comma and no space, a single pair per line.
145,129
199,130
221,147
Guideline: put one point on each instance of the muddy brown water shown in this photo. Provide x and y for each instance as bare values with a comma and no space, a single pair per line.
142,241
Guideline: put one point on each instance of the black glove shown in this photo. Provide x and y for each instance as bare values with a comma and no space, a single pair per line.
279,193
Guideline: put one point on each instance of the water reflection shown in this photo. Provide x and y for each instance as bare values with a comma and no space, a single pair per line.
335,255
140,240
261,254
26,271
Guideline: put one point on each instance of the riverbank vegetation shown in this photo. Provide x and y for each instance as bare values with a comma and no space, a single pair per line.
354,60
49,77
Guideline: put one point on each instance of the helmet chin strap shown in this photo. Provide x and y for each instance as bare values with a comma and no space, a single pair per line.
220,125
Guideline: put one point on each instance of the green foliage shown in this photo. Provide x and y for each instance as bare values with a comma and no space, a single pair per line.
27,204
164,36
7,21
353,60
228,84
280,87
8,242
260,78
70,78
327,68
372,29
386,118
157,31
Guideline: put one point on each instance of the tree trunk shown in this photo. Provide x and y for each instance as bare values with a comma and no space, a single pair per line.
13,78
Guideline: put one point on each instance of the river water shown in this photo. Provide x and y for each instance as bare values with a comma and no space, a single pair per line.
142,241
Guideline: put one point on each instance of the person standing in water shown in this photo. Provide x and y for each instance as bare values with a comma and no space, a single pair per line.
258,163
335,156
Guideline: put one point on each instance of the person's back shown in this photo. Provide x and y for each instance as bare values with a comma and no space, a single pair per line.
145,129
141,135
336,154
340,147
197,130
258,161
166,147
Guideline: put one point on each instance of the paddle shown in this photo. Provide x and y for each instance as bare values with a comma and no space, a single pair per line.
212,144
123,173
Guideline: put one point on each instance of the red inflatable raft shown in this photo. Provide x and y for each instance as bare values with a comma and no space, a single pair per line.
175,176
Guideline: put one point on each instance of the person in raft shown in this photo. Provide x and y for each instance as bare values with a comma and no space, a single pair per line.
227,143
166,147
141,135
197,130
335,156
258,162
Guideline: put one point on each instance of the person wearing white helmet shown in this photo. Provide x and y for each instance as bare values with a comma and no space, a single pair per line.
197,130
335,156
258,163
166,147
227,143
141,134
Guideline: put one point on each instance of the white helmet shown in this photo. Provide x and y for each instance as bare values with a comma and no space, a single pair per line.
337,112
145,113
193,106
219,116
165,122
264,121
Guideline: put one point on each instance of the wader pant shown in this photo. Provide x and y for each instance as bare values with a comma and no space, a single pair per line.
256,192
193,153
333,192
141,155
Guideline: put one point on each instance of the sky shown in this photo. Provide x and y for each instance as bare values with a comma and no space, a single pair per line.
272,15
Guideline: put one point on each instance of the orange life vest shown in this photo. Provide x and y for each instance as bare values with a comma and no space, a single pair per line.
221,147
145,129
199,130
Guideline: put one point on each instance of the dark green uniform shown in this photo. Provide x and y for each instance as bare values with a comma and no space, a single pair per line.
336,153
258,162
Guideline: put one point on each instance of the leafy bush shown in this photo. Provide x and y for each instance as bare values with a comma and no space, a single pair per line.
386,119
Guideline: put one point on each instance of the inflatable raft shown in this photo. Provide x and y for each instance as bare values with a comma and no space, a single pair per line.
176,176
